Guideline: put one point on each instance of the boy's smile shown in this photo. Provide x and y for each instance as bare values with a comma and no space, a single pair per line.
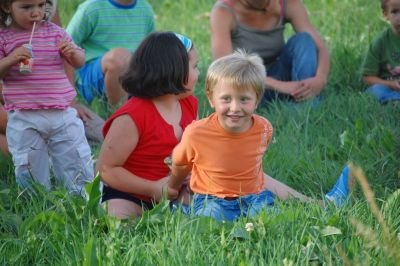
234,107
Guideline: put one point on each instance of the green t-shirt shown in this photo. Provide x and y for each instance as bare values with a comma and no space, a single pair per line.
383,56
101,25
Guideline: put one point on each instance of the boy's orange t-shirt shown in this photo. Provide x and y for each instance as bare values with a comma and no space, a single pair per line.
224,164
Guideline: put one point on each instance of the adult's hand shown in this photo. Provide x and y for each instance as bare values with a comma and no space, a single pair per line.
309,88
83,112
285,87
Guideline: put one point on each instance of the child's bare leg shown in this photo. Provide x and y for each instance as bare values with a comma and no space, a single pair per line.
3,126
123,209
283,191
114,63
3,145
3,120
338,194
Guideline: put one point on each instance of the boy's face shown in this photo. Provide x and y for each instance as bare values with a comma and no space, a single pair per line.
392,14
234,108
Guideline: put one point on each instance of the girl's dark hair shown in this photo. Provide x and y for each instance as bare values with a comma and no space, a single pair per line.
5,4
159,66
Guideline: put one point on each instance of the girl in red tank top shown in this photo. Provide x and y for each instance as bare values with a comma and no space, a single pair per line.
138,137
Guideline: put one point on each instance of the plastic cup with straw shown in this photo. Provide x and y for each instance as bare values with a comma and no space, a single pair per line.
25,66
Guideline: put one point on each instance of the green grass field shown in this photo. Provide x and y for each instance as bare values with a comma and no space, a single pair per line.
310,147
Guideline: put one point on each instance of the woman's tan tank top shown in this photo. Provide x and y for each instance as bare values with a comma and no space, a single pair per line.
268,44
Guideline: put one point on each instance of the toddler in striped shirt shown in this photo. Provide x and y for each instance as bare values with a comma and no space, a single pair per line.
41,123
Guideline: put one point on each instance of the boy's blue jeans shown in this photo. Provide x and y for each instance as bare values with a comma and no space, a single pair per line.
298,61
229,210
383,93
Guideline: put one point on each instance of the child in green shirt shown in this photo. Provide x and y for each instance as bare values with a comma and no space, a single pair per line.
381,68
109,31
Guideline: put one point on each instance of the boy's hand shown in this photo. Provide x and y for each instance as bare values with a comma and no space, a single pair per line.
395,85
67,49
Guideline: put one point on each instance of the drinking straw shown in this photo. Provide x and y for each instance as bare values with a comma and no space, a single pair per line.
33,29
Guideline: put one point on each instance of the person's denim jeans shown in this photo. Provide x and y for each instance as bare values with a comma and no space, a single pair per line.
298,61
228,210
383,93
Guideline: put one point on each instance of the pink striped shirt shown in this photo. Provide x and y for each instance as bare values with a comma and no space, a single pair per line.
47,87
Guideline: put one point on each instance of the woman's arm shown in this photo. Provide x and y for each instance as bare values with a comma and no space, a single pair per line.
221,24
119,143
298,17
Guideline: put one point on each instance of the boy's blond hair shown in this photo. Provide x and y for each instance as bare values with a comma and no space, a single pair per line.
241,70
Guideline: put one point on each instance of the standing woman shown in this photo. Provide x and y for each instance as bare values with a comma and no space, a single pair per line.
296,70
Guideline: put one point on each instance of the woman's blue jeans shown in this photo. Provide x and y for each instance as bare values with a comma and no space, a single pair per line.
298,61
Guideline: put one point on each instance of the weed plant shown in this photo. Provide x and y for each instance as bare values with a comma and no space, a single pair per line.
310,147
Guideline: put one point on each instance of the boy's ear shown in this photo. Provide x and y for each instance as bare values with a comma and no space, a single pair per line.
210,100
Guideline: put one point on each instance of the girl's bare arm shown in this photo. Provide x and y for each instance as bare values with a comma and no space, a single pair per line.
120,141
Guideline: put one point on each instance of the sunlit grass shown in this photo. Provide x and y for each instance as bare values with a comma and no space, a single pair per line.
310,147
